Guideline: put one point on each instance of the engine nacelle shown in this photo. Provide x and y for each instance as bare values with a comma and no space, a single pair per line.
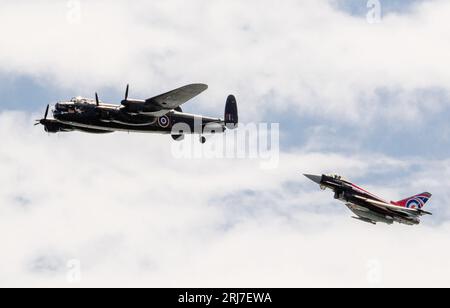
135,107
51,130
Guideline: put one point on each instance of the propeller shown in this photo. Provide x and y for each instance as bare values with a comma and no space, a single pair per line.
42,121
96,99
46,112
126,92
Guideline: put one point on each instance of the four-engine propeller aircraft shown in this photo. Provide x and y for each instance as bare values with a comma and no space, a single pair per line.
161,114
370,208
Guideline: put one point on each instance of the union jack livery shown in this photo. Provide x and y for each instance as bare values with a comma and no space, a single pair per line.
370,208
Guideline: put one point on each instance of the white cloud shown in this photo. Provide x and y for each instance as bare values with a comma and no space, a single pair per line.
134,216
305,56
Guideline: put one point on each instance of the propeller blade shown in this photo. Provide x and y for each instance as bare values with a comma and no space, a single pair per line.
46,112
126,92
96,99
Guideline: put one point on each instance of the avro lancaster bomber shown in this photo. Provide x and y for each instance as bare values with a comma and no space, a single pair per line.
161,114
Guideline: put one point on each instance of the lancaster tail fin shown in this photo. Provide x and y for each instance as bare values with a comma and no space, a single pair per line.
231,113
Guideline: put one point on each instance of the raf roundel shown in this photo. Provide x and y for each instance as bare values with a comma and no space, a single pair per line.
417,202
164,122
413,204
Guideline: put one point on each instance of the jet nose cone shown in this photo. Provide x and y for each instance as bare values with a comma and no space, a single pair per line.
315,178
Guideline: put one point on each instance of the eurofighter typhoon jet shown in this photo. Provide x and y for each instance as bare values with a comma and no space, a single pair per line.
161,114
370,208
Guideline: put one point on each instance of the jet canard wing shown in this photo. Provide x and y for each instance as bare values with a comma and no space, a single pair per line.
395,208
175,98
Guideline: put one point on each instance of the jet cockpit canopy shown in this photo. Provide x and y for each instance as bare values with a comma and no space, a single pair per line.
336,176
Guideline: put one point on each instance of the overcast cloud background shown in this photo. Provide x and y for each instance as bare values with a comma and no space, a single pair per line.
369,101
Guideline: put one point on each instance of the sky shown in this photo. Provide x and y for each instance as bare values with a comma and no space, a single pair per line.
368,100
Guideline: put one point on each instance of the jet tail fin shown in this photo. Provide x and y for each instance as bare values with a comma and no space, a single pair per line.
414,202
231,113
